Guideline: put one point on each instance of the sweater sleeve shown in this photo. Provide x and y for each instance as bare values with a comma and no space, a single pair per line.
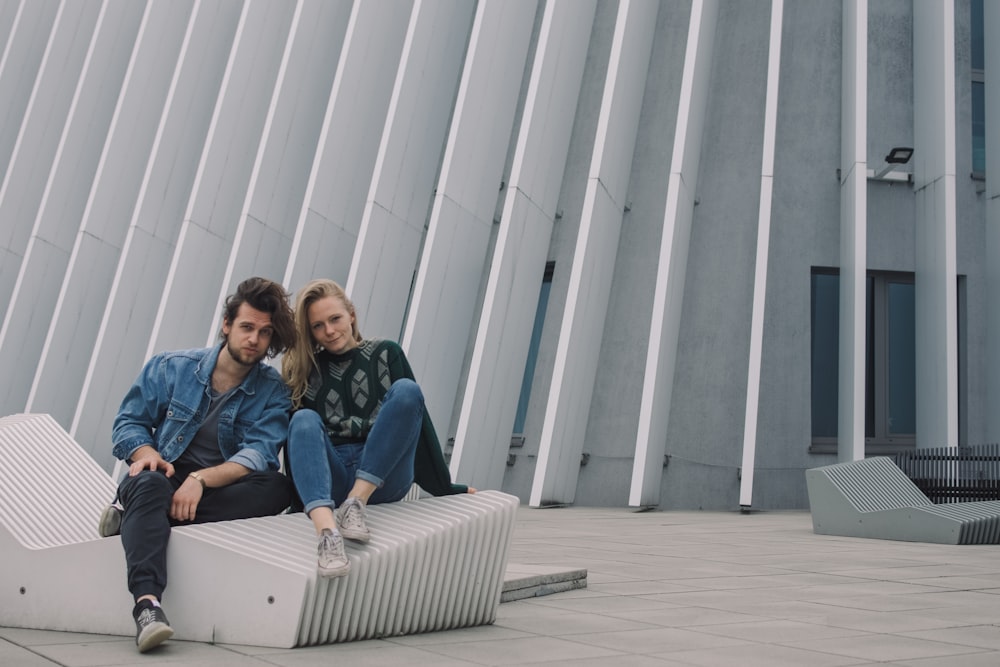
430,471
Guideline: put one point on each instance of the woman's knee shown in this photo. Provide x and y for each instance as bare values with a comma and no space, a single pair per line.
408,392
304,422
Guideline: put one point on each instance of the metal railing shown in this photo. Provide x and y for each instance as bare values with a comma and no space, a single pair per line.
954,474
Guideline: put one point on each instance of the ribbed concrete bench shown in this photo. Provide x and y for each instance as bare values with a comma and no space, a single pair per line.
432,564
873,498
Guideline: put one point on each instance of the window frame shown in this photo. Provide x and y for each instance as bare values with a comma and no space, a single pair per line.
878,438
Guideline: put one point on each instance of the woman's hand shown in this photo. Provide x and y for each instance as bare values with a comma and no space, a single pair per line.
471,490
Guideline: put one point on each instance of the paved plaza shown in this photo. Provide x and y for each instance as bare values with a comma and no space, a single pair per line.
664,588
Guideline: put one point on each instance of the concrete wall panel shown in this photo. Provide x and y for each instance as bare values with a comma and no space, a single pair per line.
86,286
291,132
442,311
126,322
578,352
658,379
30,164
501,347
392,228
24,30
197,271
65,198
327,226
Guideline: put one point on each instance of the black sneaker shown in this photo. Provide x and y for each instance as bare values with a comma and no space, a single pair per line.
151,625
111,521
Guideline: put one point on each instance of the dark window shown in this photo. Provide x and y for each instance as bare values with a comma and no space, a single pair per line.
536,337
978,90
890,360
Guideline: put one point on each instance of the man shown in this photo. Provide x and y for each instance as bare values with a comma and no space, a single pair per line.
201,430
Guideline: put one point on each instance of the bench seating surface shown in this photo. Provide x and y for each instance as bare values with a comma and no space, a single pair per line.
873,498
432,563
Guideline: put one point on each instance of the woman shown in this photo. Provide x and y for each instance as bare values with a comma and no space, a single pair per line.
360,433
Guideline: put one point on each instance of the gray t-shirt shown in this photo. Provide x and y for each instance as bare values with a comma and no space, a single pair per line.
203,452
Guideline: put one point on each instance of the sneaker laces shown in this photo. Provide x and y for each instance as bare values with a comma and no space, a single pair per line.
331,546
353,516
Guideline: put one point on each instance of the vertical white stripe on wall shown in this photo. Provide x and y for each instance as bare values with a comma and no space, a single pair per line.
661,355
208,231
327,225
853,232
578,349
935,283
155,220
760,266
59,217
416,127
60,41
442,311
86,287
289,139
24,45
500,350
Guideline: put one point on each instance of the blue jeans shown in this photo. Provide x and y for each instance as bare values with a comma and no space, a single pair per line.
324,473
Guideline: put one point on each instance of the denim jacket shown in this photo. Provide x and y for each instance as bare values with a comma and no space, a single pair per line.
168,402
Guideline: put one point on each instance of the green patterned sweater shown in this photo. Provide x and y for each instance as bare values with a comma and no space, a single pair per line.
347,393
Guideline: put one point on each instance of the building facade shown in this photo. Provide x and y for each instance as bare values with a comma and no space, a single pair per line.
639,253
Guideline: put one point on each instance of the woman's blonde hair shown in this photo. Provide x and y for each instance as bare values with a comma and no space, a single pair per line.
299,362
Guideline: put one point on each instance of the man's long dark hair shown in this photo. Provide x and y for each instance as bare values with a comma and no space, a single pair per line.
268,297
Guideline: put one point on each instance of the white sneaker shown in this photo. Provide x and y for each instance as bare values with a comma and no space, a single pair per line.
332,560
351,520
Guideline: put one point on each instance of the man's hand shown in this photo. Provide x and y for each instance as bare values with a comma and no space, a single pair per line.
186,499
147,458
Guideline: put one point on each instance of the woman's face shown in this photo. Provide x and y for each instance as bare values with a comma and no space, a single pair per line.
330,323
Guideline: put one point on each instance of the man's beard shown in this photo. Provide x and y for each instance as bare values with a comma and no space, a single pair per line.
240,358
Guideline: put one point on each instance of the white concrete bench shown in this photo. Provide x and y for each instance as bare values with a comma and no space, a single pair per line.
432,564
874,498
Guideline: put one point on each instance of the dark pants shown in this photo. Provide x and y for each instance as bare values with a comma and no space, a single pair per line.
146,522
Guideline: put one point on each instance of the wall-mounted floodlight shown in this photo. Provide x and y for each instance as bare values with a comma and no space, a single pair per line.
897,155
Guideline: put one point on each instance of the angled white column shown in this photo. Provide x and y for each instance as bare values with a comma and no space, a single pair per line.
64,199
9,10
392,229
24,33
66,46
197,270
327,226
154,222
501,346
442,310
591,274
83,295
935,283
761,262
661,355
991,27
281,168
853,232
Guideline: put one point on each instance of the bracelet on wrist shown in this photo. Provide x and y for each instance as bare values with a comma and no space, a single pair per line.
201,480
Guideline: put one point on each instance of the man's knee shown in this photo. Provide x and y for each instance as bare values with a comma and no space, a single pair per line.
146,486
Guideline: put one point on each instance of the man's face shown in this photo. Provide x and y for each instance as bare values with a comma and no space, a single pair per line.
249,335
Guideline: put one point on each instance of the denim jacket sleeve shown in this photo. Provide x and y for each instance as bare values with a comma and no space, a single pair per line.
143,407
263,427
